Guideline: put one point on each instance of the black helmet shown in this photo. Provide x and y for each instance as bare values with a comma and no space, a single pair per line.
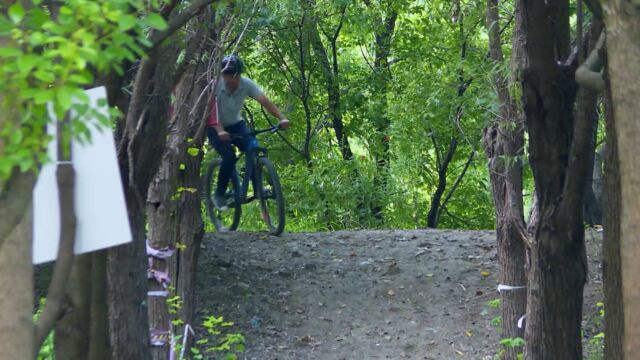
232,65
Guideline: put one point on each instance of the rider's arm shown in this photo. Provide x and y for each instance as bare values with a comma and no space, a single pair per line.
213,120
264,101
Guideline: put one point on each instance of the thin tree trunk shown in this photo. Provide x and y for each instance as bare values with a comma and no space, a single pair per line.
99,331
382,74
332,83
622,19
434,209
504,139
614,311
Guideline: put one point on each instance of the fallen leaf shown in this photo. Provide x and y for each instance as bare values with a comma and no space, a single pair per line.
391,293
305,339
469,333
459,353
485,273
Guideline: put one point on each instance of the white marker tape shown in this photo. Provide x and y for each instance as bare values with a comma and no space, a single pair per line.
502,287
521,320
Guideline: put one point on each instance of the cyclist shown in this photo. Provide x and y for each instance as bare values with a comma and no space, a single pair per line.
225,125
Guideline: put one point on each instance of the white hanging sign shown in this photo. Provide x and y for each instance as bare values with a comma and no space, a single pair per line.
100,207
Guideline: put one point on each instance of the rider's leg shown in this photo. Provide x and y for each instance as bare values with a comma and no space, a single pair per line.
244,143
227,168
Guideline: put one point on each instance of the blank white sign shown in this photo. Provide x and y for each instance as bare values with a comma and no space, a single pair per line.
100,207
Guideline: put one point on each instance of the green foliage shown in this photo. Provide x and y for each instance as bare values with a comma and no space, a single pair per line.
594,336
495,303
219,342
46,60
46,351
414,104
511,343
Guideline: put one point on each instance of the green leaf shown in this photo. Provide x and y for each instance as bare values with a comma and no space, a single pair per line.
155,21
193,151
16,12
63,98
9,52
44,76
126,22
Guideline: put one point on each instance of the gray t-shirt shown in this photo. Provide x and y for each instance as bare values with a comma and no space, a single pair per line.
230,105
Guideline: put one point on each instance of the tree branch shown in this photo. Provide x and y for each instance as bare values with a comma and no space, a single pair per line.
15,200
588,74
458,180
175,23
55,295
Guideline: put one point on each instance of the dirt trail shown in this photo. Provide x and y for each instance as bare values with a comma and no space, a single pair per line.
360,295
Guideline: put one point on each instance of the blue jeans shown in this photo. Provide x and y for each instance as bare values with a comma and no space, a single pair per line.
226,151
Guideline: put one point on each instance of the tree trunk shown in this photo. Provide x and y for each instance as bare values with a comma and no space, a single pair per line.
72,330
559,149
382,75
332,84
16,303
175,216
622,19
614,311
433,216
140,152
504,139
99,331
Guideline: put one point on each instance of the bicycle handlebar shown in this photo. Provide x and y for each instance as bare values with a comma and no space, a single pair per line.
273,129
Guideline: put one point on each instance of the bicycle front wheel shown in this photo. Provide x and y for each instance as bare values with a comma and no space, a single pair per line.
223,220
270,194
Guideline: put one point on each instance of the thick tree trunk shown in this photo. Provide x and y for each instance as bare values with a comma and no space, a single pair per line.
614,311
16,301
72,330
140,153
126,295
559,149
175,217
504,139
622,19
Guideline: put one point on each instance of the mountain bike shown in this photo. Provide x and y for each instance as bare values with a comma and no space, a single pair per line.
257,170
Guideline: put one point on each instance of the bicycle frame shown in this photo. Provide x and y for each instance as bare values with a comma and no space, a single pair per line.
251,160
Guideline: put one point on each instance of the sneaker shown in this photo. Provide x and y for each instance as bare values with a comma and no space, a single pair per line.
220,202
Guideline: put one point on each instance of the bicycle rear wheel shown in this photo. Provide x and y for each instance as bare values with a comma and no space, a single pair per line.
270,194
227,220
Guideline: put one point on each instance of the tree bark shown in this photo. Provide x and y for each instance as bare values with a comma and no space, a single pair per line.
140,151
16,301
72,329
434,209
504,139
382,75
175,216
332,83
622,19
614,311
99,331
559,158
